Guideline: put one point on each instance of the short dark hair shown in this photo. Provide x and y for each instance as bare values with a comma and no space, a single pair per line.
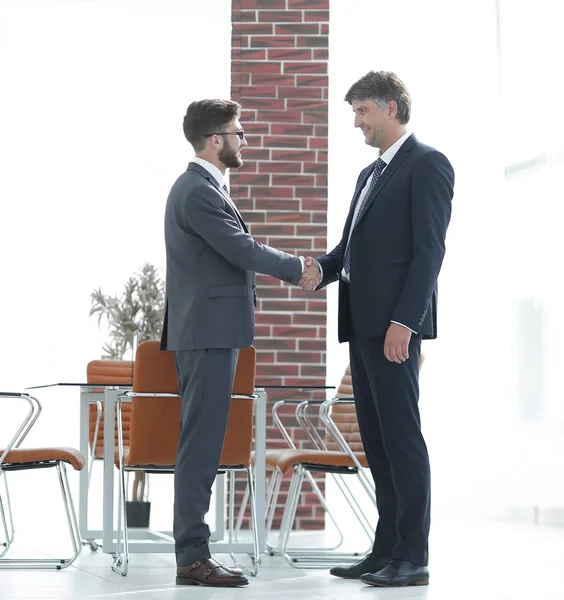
208,116
382,86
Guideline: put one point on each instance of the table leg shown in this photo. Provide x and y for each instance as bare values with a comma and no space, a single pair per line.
260,465
84,450
218,532
110,398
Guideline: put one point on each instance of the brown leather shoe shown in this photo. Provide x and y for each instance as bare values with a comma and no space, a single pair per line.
210,573
234,570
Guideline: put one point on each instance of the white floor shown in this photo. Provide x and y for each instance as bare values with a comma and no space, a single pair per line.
469,561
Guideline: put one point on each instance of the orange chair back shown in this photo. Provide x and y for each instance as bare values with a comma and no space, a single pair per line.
238,441
118,372
155,421
110,371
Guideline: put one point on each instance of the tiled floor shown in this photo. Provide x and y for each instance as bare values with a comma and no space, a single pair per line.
470,561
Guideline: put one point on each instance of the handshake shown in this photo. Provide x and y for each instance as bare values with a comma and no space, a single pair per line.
311,277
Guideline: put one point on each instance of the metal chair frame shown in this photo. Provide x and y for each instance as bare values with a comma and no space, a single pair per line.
306,558
121,559
273,489
312,556
6,511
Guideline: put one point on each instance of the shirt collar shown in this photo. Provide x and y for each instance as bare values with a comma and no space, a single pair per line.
393,149
211,169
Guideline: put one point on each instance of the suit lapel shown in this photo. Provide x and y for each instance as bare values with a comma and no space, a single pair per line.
230,204
360,186
400,156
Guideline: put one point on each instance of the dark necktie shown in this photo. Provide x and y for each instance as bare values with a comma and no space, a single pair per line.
378,168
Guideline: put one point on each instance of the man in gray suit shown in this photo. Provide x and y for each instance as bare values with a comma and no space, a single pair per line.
209,315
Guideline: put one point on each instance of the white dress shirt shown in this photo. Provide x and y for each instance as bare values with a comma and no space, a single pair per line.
387,157
216,174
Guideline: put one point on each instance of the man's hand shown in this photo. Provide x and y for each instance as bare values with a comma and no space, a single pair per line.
311,277
396,344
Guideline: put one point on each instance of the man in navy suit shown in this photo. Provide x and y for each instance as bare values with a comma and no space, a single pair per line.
387,264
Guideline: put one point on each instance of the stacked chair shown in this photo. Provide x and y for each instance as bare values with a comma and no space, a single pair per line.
330,455
339,452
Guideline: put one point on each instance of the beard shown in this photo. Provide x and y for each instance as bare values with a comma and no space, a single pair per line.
229,157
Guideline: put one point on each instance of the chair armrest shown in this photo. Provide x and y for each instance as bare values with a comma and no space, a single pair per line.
147,395
27,423
325,415
304,419
253,397
278,421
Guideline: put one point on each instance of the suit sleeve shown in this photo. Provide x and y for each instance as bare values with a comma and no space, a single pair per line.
431,201
330,264
205,214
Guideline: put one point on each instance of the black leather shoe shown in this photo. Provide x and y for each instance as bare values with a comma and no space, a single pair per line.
398,573
369,564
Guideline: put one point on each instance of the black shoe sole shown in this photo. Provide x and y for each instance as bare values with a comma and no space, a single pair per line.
188,581
402,584
374,569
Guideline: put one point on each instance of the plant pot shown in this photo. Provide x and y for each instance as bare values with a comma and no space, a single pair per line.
138,514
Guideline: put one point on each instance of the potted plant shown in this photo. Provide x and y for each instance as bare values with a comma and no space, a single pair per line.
138,311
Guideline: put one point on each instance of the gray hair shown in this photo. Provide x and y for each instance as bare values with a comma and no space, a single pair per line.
382,87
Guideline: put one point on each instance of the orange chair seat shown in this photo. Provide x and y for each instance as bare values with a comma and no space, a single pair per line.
128,463
272,457
35,455
326,458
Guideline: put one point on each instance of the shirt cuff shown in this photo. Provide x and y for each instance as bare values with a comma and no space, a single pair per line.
396,322
303,263
320,272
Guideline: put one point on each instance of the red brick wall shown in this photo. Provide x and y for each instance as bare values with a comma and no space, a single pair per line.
279,75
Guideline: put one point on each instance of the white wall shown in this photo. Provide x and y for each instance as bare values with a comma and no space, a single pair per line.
446,54
485,111
91,119
91,108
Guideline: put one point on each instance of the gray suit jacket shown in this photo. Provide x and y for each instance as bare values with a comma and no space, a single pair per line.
211,262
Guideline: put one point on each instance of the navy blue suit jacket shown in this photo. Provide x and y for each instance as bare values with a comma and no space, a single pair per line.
397,246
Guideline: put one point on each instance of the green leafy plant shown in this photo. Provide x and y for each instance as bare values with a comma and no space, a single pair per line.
140,308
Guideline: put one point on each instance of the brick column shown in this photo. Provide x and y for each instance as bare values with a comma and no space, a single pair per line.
279,75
